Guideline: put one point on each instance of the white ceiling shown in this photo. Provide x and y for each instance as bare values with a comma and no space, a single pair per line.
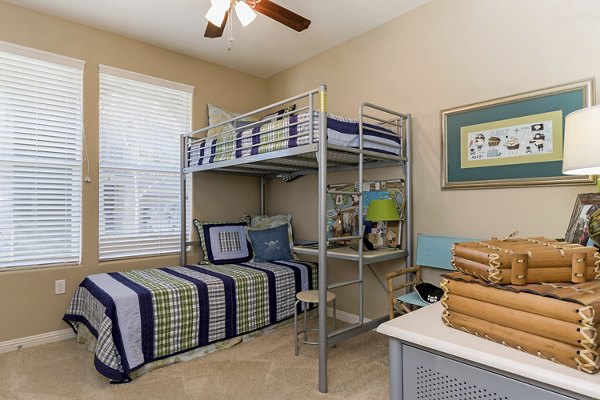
263,48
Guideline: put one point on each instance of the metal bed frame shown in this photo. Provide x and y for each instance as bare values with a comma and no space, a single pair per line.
316,156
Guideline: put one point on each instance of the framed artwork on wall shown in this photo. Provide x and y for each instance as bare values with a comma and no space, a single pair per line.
511,141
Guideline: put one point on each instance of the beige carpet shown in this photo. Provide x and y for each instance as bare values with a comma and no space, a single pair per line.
263,368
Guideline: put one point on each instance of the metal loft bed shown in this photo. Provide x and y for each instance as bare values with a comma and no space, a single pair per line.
229,153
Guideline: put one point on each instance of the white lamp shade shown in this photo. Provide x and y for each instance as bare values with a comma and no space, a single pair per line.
581,155
244,12
216,13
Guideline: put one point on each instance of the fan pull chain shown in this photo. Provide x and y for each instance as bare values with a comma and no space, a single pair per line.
230,29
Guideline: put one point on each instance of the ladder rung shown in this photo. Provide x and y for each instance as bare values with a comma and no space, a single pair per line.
346,283
339,239
343,192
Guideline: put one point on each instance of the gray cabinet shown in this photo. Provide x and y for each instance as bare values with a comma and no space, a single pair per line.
421,375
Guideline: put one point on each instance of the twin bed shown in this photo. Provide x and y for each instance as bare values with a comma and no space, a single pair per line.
141,317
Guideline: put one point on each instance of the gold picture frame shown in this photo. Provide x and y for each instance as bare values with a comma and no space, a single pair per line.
500,142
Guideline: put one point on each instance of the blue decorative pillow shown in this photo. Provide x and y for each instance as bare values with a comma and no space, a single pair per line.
266,221
271,244
223,243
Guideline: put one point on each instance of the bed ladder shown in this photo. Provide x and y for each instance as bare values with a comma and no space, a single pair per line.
327,339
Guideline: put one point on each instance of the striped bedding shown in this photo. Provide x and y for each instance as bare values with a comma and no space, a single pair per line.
141,316
288,132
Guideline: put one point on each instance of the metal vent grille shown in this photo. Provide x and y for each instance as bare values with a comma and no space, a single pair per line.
432,385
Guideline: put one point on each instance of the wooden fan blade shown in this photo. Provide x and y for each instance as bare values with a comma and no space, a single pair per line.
213,31
282,15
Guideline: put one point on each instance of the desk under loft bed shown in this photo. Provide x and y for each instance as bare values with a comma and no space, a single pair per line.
287,145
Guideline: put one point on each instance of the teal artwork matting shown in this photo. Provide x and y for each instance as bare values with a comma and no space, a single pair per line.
566,98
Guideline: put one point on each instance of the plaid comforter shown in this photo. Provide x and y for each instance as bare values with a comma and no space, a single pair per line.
287,132
141,316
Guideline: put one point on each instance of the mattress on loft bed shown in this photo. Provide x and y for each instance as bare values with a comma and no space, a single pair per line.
142,316
287,132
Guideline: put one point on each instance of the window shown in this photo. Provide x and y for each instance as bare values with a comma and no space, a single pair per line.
40,157
141,121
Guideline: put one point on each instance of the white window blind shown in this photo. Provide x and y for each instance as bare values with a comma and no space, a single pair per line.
40,157
141,121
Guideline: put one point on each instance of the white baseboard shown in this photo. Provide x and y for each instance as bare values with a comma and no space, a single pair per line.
345,316
65,334
36,340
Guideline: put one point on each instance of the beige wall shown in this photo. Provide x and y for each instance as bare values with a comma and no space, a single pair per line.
28,305
446,54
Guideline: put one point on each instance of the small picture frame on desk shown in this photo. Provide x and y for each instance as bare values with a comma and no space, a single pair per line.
377,233
578,229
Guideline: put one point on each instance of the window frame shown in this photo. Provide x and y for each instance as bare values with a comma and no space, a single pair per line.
112,254
68,63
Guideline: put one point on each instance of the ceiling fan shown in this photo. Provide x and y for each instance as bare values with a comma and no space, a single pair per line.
220,10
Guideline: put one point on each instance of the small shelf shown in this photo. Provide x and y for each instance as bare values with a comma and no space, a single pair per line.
346,253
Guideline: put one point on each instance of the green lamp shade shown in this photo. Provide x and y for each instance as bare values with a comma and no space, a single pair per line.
382,210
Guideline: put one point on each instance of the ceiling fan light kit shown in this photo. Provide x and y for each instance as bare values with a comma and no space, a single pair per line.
218,9
215,15
246,10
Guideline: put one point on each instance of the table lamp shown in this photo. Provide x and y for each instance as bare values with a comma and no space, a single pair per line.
383,210
581,153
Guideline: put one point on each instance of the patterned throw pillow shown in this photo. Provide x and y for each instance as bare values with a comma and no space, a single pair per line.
240,125
279,112
270,244
223,243
266,221
217,115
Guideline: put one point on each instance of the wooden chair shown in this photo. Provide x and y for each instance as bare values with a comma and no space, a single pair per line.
432,252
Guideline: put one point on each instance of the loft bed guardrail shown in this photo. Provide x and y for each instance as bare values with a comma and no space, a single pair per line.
287,144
